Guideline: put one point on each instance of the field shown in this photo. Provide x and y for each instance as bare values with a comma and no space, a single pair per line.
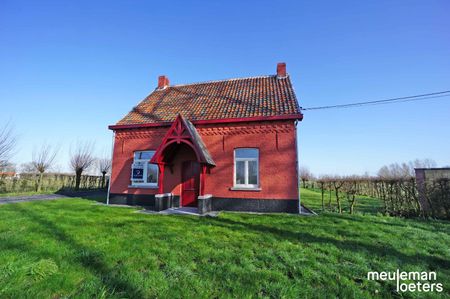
78,248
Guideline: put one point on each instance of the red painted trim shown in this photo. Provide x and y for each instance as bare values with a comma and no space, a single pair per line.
161,179
247,119
202,179
136,126
159,158
298,116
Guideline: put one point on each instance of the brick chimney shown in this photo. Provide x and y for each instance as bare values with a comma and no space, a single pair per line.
281,70
163,82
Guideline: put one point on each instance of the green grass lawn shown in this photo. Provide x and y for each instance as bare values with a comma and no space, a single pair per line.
79,249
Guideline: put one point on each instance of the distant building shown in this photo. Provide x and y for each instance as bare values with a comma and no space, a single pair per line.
7,174
431,178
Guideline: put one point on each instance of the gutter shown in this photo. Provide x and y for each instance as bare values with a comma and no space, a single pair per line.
296,170
297,117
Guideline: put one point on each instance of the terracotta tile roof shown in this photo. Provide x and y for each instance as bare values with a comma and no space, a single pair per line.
234,98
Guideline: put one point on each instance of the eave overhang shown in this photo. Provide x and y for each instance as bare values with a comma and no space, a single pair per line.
298,117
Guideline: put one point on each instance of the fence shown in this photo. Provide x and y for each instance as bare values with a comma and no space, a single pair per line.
50,183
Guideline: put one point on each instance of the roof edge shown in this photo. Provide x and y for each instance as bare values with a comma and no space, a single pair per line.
298,116
225,80
433,168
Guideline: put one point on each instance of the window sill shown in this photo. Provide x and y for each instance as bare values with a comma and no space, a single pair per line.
245,189
142,187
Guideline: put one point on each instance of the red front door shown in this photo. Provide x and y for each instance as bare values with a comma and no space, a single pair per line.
190,175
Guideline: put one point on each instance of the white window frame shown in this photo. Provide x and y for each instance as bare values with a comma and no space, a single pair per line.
144,163
246,185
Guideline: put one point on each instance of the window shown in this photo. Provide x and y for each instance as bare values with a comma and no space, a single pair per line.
142,172
246,168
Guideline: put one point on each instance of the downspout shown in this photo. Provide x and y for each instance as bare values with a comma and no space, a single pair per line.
296,170
110,175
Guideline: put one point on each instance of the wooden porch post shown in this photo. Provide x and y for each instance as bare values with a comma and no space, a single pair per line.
202,179
161,178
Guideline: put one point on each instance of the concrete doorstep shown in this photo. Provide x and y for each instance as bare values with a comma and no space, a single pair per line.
193,211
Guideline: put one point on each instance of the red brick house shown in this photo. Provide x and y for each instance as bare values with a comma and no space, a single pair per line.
217,145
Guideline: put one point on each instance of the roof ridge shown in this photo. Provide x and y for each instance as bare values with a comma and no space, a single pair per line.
225,80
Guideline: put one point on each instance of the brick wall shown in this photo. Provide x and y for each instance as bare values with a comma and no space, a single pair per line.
277,154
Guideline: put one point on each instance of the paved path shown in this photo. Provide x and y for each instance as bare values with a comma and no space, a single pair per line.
24,198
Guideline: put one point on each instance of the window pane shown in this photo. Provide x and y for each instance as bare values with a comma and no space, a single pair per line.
240,172
143,155
147,155
246,153
252,172
152,173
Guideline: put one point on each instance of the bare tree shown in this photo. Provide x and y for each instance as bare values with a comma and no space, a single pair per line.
350,189
321,182
404,170
27,168
305,175
8,142
395,171
42,160
81,159
104,165
422,163
338,182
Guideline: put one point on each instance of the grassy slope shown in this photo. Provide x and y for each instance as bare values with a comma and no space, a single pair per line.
75,248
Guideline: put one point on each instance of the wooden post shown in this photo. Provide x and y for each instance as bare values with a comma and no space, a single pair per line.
161,179
202,180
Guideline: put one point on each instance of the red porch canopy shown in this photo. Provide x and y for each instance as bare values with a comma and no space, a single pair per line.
182,131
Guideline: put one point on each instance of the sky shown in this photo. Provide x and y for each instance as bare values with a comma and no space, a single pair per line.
68,69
